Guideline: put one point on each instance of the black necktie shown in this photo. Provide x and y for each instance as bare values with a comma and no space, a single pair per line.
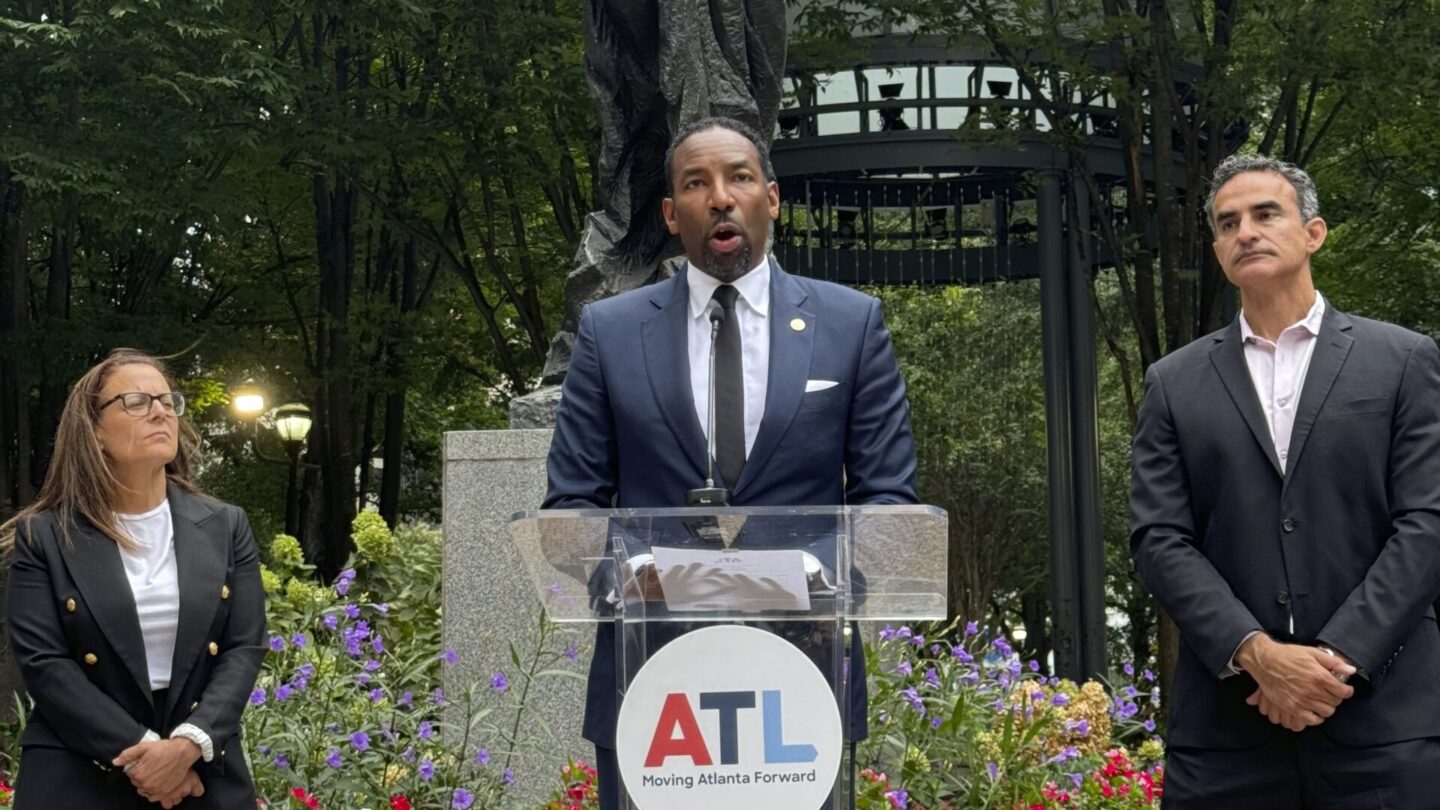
729,392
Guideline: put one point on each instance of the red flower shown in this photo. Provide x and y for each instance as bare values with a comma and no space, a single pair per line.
303,796
399,802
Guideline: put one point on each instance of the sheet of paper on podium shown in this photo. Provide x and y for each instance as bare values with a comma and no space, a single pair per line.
743,581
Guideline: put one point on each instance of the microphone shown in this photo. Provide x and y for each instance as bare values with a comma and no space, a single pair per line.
711,495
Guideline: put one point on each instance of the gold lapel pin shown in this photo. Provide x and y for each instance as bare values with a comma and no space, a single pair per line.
798,324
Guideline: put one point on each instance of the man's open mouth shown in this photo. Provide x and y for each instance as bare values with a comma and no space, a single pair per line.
725,238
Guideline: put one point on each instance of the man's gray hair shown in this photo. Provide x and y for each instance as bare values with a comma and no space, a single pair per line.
1305,193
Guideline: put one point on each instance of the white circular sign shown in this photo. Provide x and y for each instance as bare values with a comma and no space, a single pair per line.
729,716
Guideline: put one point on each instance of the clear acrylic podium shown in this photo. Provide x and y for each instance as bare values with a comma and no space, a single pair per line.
655,575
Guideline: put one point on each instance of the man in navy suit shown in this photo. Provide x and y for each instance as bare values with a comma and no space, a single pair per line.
811,409
1286,506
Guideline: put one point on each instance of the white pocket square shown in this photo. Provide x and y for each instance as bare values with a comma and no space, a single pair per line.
819,385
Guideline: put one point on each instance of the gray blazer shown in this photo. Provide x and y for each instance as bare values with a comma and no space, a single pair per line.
1345,543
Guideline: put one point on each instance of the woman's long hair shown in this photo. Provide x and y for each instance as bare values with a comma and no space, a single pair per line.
80,482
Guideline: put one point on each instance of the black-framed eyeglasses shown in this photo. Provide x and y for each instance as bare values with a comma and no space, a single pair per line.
137,403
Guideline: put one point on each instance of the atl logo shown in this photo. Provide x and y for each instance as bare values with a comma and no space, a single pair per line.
677,734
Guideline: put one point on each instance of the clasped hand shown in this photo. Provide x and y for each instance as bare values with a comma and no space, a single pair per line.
161,770
1299,686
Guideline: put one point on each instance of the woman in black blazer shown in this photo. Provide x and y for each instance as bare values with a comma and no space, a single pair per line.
135,610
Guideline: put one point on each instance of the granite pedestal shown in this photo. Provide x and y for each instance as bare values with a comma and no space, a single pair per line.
488,600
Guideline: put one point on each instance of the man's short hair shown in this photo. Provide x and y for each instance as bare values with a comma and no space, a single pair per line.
711,123
1305,193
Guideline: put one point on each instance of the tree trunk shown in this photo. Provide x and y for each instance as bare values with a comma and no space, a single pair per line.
394,448
15,484
334,204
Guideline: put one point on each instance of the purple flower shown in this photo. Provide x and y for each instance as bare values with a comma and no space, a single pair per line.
904,632
1060,699
917,641
352,611
263,749
348,573
383,608
363,679
342,586
898,799
972,628
299,640
377,644
1076,778
507,777
406,700
1066,754
360,741
935,721
408,754
962,655
257,698
438,697
331,621
1080,728
277,644
482,757
932,677
499,682
555,589
573,653
281,761
377,694
1149,725
283,692
1034,665
992,769
333,760
904,668
372,665
426,731
462,799
1129,669
1003,647
887,633
913,698
449,656
427,770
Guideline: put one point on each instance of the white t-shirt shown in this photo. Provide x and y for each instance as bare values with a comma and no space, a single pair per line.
154,581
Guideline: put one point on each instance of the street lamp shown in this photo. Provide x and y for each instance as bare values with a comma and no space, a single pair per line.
292,423
248,401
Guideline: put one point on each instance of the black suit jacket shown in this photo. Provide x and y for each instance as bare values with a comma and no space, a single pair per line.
1346,541
75,635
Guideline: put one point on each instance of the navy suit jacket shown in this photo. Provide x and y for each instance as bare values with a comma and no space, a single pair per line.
1345,542
627,434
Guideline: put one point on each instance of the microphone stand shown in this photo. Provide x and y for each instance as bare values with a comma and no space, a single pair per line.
711,495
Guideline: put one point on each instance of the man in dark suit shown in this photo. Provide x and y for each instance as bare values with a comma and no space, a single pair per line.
810,407
1286,514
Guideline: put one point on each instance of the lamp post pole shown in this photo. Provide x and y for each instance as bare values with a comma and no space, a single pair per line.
292,491
292,423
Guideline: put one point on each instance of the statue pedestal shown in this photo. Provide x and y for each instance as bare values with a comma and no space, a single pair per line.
489,601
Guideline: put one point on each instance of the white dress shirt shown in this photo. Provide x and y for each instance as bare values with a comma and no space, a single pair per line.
155,583
1278,368
752,307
